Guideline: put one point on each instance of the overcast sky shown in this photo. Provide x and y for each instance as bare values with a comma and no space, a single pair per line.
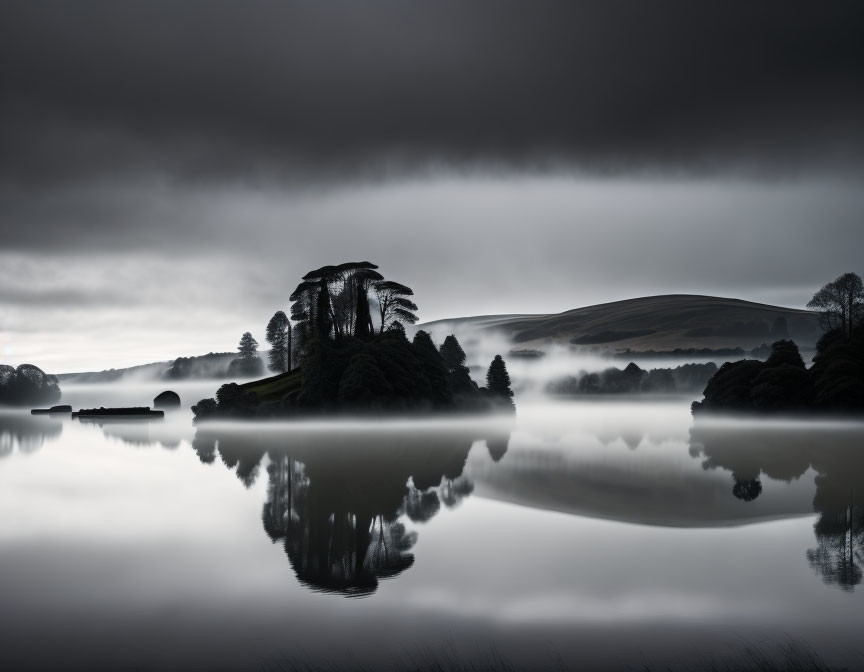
169,170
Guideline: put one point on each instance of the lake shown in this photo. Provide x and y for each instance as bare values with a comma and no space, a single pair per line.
580,535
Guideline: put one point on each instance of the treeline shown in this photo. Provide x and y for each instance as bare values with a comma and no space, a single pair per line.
27,385
354,356
783,384
635,380
211,365
834,383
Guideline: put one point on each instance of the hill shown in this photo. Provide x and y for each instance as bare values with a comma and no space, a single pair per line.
660,323
211,365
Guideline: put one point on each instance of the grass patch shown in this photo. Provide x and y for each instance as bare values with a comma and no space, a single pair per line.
275,387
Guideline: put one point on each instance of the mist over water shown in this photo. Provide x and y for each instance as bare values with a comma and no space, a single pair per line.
609,533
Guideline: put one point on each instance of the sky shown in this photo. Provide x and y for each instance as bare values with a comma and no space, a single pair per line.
169,170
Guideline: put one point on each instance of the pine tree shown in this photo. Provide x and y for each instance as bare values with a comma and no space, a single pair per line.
248,347
498,380
452,352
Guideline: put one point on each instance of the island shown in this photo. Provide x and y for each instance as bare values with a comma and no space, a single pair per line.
354,357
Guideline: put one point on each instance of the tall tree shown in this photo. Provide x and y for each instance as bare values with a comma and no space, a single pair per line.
279,338
393,303
452,352
248,347
498,382
333,294
840,303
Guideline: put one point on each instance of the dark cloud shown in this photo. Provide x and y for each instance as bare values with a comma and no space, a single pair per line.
209,89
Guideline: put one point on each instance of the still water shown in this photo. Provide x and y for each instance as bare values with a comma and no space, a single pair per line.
580,535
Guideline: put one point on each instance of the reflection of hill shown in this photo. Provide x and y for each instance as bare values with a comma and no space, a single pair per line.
336,498
26,433
596,472
785,453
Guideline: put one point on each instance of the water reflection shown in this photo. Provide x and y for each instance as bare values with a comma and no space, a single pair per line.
26,433
336,500
141,433
751,450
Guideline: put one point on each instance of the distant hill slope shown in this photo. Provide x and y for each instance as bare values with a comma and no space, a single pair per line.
211,365
651,323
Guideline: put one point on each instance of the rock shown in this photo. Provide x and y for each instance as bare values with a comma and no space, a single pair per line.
137,411
53,409
167,399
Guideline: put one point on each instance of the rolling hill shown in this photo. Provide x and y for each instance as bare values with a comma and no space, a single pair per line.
658,323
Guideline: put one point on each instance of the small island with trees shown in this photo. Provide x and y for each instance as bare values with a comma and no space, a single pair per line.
347,352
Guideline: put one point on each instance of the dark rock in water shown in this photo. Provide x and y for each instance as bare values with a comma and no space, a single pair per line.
137,411
53,409
167,399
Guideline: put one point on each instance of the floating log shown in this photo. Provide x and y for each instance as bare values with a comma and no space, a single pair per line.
53,409
133,412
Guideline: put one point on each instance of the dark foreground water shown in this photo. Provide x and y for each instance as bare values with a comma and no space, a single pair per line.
579,535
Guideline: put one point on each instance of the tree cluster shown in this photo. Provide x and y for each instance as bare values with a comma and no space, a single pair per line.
332,302
27,385
840,304
834,383
635,380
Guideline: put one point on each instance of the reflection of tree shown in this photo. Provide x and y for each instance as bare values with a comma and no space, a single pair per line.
496,444
840,549
336,500
26,433
243,456
785,453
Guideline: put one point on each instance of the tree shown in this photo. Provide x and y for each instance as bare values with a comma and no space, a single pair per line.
840,303
248,347
452,352
393,303
279,338
333,302
498,382
247,363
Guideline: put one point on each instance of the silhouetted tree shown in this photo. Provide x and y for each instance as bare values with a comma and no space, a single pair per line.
248,346
393,303
498,382
840,303
279,338
341,297
247,363
433,369
452,352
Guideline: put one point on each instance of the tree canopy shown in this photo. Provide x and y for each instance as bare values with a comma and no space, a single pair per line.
27,385
840,303
452,352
